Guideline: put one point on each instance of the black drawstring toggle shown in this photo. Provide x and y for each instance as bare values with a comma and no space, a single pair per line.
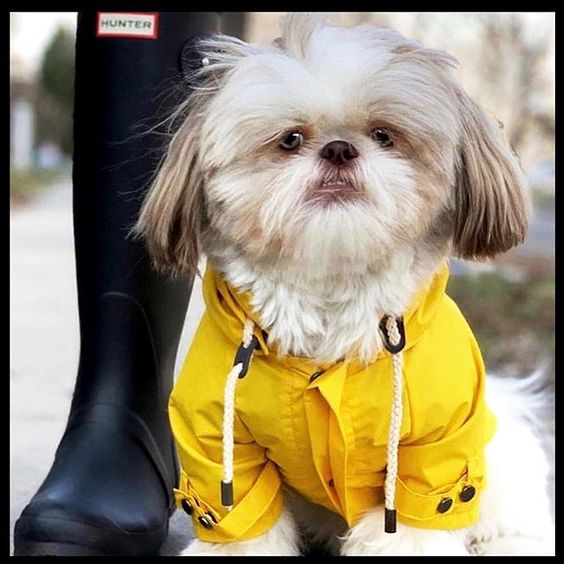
226,493
389,520
244,355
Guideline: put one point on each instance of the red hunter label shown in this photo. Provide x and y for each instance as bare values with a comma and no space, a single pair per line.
139,25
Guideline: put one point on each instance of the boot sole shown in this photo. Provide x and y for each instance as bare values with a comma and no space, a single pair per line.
30,548
36,536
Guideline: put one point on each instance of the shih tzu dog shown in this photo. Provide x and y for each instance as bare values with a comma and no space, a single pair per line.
333,392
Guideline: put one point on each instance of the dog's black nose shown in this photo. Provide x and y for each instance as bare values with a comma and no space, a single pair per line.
339,152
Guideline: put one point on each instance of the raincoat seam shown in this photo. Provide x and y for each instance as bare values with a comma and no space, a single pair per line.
303,448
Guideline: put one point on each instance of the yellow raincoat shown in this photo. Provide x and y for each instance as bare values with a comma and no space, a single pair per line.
324,434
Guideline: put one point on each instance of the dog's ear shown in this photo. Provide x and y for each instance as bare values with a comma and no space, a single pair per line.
491,201
172,214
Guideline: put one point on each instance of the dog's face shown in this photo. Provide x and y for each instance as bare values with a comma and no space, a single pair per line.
335,147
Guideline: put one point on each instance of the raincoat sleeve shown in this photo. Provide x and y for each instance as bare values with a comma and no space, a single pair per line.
441,462
196,415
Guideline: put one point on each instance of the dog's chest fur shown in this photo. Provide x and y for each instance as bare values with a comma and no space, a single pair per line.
331,317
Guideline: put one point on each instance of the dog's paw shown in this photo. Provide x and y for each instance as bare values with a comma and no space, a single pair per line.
513,545
367,538
281,540
433,545
244,548
200,548
253,547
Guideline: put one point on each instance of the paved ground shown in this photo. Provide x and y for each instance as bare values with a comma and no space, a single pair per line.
44,344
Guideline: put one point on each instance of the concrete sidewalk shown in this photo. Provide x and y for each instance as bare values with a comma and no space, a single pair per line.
44,345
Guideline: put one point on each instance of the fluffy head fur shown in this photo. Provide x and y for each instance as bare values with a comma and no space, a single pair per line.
322,246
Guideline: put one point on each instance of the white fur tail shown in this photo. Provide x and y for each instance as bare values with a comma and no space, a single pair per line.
529,399
516,505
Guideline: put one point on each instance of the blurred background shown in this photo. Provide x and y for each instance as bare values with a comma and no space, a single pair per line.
507,64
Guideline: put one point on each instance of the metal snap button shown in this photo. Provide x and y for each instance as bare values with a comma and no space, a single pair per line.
444,505
467,493
205,521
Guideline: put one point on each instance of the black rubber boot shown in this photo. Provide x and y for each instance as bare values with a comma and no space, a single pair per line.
109,491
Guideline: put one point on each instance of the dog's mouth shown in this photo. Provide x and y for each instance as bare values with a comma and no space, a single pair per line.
334,190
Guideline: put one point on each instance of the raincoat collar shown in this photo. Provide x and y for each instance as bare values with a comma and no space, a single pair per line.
230,309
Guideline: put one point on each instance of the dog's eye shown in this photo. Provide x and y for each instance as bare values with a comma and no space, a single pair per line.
382,136
293,140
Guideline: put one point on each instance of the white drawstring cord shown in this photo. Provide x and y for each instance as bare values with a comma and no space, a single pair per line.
229,419
394,338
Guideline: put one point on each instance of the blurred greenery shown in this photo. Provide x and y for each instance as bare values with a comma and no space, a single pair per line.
25,184
513,317
54,92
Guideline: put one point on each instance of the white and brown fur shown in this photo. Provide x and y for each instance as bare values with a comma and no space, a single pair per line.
321,272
